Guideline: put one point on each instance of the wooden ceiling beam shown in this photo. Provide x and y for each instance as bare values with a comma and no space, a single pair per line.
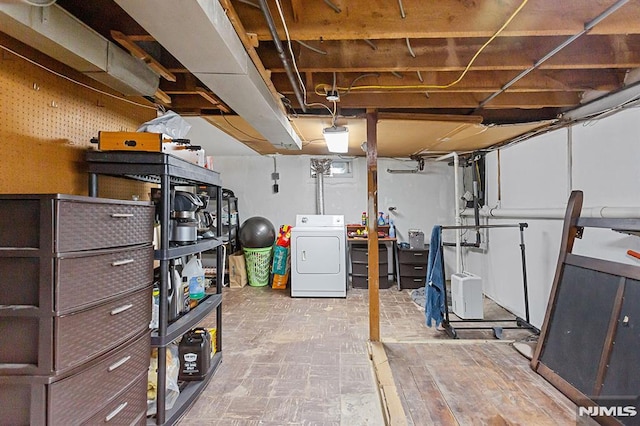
141,54
211,97
454,100
162,97
296,9
441,55
185,83
192,101
474,81
440,19
141,37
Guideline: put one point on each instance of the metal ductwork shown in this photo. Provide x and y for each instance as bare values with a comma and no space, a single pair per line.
200,35
320,167
56,33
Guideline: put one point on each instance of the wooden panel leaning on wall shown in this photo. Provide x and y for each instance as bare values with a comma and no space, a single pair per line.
47,122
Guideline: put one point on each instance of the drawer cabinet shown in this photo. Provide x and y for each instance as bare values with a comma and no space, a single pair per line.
86,397
412,265
76,280
83,394
125,409
83,335
75,307
359,254
65,223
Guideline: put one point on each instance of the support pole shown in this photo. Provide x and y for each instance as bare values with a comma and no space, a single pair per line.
372,227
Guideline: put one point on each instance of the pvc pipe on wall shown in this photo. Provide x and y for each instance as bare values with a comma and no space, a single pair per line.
456,200
594,212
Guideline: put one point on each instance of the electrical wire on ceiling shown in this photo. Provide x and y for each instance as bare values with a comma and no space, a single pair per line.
371,44
333,6
371,74
288,105
420,76
295,66
313,49
411,52
250,3
587,27
436,86
402,14
632,103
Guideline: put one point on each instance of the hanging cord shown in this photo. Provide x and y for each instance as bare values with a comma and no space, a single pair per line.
333,6
35,3
313,49
445,86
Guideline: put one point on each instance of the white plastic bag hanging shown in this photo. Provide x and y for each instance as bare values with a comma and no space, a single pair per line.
170,124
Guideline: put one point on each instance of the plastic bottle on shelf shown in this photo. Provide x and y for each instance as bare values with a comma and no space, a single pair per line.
380,219
364,218
392,230
193,274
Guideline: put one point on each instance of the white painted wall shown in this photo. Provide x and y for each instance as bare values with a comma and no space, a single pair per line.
421,199
535,174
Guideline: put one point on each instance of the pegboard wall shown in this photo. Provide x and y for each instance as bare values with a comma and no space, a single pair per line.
46,124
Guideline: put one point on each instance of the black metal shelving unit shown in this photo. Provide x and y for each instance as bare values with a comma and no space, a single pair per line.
231,227
167,171
229,233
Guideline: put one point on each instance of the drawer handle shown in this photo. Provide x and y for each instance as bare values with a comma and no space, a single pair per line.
121,262
120,215
118,363
121,309
417,280
417,268
115,412
418,254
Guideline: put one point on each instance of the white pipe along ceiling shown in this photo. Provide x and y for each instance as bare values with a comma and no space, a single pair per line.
200,36
558,213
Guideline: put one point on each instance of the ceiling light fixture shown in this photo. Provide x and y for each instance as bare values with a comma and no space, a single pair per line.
337,138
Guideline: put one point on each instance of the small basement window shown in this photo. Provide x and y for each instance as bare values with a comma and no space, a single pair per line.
337,169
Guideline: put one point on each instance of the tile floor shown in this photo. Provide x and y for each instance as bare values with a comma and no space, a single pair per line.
299,361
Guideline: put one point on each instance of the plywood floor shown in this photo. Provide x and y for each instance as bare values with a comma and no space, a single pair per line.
300,361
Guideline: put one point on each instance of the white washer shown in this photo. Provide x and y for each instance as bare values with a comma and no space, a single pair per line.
318,256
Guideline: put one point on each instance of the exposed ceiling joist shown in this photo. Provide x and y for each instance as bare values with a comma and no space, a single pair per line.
126,42
444,19
474,81
438,57
589,52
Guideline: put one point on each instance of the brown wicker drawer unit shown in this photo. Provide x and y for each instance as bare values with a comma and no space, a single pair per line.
76,275
92,393
412,265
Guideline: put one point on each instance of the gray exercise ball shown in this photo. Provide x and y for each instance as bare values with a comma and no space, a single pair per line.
257,232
